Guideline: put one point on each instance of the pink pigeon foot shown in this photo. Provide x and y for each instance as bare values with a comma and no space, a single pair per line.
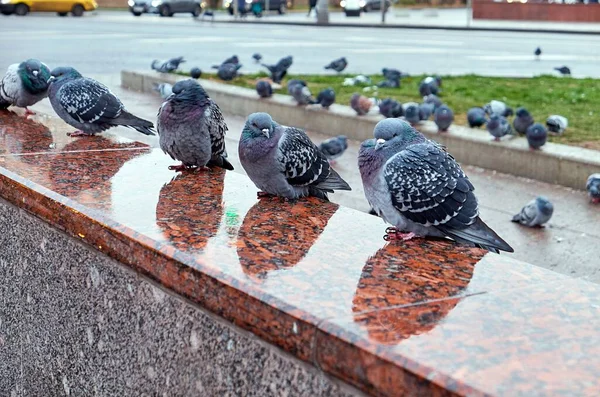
595,200
394,234
29,112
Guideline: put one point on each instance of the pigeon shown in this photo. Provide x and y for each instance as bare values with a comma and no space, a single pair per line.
357,80
433,99
338,65
498,126
301,93
334,147
279,70
257,57
283,161
390,108
557,124
593,188
415,185
88,105
426,89
326,98
192,129
195,73
389,83
443,118
232,59
291,83
167,66
163,89
476,117
391,74
228,71
535,213
522,120
264,89
437,80
563,70
360,103
411,112
537,53
536,135
426,110
498,107
24,84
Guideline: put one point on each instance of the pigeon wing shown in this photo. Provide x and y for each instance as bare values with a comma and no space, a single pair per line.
88,101
217,129
303,163
10,86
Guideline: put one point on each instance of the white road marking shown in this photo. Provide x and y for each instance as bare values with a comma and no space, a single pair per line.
205,39
530,57
411,41
400,50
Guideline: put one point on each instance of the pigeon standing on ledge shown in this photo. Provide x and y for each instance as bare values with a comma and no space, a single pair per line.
557,124
522,121
326,98
24,84
443,118
264,89
476,117
167,66
338,65
411,113
498,107
536,135
535,213
498,126
360,103
390,108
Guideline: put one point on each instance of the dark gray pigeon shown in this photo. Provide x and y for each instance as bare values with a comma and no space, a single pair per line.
390,108
257,57
338,65
24,84
228,71
537,53
523,119
498,107
443,118
430,85
232,59
195,73
563,70
476,117
415,185
537,135
426,110
535,213
411,112
283,161
557,124
88,105
425,89
167,66
264,89
391,74
434,100
192,129
334,147
593,188
326,97
301,93
498,126
279,70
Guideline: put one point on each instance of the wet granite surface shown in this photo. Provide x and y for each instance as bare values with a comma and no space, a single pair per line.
314,278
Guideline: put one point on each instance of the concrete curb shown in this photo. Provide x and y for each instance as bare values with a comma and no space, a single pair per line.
558,164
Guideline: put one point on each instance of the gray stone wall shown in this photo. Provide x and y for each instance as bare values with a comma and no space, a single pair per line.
76,323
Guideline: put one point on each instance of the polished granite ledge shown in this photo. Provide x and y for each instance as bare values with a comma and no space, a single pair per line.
313,278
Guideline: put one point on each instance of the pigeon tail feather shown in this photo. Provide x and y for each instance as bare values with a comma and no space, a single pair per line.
129,120
221,162
333,182
479,234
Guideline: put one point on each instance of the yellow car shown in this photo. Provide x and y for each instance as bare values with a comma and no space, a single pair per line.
62,7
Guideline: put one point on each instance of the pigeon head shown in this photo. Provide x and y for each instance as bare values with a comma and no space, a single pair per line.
34,76
63,73
258,125
388,129
189,91
544,205
522,112
196,73
373,154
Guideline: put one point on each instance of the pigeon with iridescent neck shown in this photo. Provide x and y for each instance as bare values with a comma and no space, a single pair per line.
24,84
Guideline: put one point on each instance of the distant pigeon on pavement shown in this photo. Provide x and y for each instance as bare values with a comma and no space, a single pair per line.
523,119
283,161
536,135
443,118
338,65
498,107
434,100
24,84
557,124
476,117
167,66
257,57
426,110
264,89
537,53
391,74
88,105
360,103
535,213
279,70
390,108
301,93
334,147
326,97
563,70
411,112
228,71
195,73
593,188
192,128
415,185
498,126
163,89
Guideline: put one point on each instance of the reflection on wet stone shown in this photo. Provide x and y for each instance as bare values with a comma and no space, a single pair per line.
19,135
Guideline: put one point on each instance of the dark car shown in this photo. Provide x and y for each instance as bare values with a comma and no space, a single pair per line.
251,5
166,8
371,5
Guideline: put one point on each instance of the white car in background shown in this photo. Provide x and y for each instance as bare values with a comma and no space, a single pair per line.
352,8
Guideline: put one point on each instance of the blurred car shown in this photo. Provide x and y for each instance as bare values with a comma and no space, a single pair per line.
352,8
61,7
371,5
274,5
165,8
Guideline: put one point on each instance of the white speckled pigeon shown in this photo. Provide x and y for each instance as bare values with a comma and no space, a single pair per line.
535,213
192,128
498,126
338,65
593,187
557,124
167,66
498,107
88,105
24,84
415,185
334,147
163,89
283,161
476,117
390,108
523,119
326,97
443,118
536,135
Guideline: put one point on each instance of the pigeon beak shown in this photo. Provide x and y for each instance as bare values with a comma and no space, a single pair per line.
380,141
51,79
266,132
35,72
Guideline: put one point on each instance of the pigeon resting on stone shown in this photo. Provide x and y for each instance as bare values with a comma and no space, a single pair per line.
411,112
326,98
443,118
192,128
264,89
593,188
360,103
535,213
24,84
279,70
537,53
522,121
334,147
390,108
291,83
434,100
563,70
557,124
88,105
228,71
163,89
283,161
476,117
167,66
498,107
301,93
195,73
257,57
415,185
498,126
536,135
426,110
338,65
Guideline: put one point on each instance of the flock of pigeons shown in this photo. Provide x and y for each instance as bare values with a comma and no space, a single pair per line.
409,180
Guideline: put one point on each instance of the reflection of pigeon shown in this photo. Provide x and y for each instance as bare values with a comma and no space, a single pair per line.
563,70
411,112
522,121
498,126
390,108
167,66
228,71
195,73
301,93
593,188
334,147
326,98
536,135
283,161
264,89
476,117
535,213
338,65
443,118
498,107
360,103
557,124
24,84
279,70
257,57
537,53
415,185
192,128
426,110
163,89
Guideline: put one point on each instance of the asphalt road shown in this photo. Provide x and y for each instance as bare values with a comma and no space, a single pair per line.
107,42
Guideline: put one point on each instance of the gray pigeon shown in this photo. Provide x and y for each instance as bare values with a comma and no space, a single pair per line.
426,110
283,161
522,121
391,74
389,84
195,73
167,66
476,117
434,100
390,108
498,107
415,185
537,53
334,147
411,112
228,71
192,128
563,70
360,103
430,85
443,118
291,83
535,213
257,57
326,98
163,89
498,126
264,89
338,65
88,105
24,84
557,124
593,188
279,70
536,135
301,93
232,59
